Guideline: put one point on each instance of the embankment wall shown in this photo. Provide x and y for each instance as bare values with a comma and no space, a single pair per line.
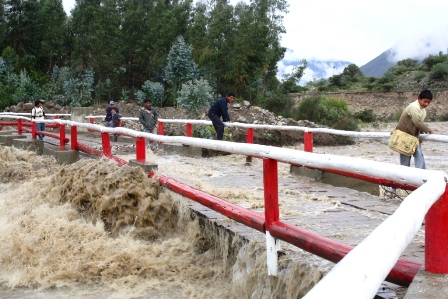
385,105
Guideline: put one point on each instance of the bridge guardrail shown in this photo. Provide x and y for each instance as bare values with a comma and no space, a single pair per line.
429,198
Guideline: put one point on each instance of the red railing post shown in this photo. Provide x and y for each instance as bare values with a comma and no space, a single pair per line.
270,182
33,130
308,141
106,144
189,130
19,126
91,120
249,139
74,137
61,136
271,212
436,236
161,127
56,117
250,135
140,150
120,122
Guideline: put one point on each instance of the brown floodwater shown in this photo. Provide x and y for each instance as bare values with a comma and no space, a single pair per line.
94,229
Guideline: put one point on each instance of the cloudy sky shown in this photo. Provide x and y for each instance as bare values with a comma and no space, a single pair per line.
358,31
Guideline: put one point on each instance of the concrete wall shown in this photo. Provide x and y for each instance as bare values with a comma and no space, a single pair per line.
386,105
78,115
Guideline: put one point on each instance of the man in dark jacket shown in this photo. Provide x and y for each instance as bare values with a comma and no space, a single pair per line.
148,118
220,109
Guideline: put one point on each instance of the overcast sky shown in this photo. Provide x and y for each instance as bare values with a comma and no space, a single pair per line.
358,31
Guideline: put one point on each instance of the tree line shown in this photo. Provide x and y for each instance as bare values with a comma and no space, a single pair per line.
178,52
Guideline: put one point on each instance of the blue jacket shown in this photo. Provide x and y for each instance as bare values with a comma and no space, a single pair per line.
220,108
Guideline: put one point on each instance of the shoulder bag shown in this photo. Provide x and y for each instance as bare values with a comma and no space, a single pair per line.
403,143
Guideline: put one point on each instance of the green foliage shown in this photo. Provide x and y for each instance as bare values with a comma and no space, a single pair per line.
209,131
127,43
78,90
26,89
204,132
8,85
444,117
153,91
290,81
408,63
195,95
439,72
124,95
432,60
228,135
329,112
404,66
346,123
365,115
420,75
180,66
352,73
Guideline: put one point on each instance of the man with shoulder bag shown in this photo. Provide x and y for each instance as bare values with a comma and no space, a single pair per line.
411,122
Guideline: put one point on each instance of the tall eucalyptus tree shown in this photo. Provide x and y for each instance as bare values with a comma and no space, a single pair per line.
52,22
23,33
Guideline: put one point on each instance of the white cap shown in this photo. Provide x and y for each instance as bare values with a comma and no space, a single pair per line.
111,103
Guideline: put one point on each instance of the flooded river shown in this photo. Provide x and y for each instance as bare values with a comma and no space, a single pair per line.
93,229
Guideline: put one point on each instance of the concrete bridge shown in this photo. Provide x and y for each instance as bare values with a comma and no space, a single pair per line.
333,212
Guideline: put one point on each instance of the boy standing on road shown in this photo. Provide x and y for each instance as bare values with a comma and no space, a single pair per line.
220,109
38,113
411,122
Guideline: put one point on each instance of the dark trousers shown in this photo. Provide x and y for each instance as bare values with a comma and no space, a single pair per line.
218,125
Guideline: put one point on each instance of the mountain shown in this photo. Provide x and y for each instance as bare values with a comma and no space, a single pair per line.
379,65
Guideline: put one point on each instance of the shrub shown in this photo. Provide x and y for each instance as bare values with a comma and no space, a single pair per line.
204,132
365,116
331,112
195,95
419,75
439,72
151,90
210,133
346,123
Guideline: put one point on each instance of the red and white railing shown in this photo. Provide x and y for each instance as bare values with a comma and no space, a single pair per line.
308,133
368,264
